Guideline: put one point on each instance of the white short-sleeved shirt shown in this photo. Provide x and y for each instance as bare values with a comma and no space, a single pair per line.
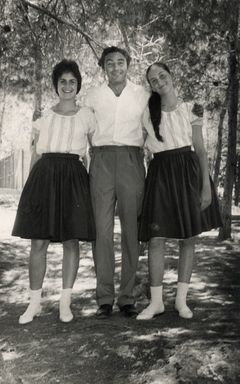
119,118
175,128
64,134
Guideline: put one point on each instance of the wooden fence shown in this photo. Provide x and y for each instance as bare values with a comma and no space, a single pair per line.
14,170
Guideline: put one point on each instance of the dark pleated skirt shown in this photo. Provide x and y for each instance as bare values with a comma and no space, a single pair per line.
171,206
55,203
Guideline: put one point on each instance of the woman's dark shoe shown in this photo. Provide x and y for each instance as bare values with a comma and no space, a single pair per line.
129,310
104,311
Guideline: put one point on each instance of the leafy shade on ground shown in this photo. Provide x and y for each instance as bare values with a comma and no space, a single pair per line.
166,350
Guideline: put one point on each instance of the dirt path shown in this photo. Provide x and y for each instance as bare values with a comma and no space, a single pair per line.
166,350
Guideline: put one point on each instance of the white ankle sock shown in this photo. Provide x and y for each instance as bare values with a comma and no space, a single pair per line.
34,307
64,306
156,305
180,302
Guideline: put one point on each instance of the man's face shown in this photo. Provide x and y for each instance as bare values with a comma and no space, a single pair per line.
115,66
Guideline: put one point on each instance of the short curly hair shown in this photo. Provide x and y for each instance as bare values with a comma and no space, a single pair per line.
113,49
66,66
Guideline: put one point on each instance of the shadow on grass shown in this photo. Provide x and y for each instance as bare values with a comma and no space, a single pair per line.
120,350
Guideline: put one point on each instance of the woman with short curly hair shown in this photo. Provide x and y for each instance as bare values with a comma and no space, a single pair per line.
55,204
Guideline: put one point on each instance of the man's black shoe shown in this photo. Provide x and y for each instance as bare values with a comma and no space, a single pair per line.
104,311
129,310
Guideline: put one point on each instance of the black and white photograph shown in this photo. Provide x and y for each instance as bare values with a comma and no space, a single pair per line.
119,192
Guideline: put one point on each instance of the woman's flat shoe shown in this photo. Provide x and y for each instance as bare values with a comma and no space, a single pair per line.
185,312
149,313
28,316
66,316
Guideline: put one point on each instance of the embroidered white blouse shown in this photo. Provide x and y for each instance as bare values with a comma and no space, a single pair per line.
64,134
175,128
119,118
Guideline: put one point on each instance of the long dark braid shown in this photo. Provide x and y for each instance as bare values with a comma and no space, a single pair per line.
155,110
154,103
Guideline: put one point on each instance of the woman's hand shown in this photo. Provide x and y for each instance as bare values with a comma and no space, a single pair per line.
90,151
206,196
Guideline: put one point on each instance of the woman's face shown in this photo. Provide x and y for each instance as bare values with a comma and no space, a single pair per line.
160,80
67,86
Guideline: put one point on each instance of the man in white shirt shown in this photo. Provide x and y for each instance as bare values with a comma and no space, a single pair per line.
117,174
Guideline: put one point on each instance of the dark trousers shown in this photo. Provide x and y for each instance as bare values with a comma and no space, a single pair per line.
116,174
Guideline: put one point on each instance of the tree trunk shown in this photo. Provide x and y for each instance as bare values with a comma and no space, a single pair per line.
3,102
219,143
37,82
225,232
237,182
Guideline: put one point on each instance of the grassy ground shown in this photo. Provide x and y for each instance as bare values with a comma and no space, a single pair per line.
166,350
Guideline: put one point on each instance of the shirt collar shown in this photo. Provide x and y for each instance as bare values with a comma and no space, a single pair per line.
129,84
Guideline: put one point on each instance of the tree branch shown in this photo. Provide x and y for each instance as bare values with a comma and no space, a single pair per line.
124,35
25,14
141,27
64,22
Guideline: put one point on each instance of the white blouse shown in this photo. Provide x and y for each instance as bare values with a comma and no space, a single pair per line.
175,128
64,134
